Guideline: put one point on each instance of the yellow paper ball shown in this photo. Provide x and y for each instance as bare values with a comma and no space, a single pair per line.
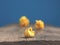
29,32
39,24
24,21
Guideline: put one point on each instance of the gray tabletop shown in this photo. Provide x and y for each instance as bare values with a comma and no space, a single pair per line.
12,33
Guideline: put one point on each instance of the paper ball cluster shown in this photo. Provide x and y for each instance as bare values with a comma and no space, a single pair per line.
29,32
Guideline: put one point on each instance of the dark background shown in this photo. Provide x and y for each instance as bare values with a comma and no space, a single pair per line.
46,10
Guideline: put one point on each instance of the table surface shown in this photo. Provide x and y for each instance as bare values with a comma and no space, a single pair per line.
13,33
